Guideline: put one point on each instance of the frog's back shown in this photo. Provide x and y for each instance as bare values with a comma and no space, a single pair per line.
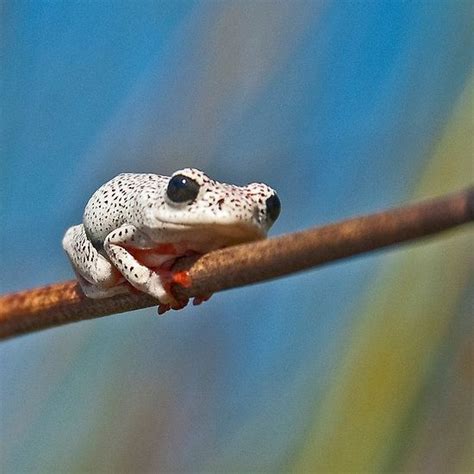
119,201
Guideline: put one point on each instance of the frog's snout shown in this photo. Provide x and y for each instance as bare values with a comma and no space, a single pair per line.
273,207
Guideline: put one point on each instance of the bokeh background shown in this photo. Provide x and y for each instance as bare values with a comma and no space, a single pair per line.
343,107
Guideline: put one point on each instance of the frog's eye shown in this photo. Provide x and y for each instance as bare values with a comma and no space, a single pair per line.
273,207
182,189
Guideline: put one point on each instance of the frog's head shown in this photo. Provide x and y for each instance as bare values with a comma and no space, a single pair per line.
203,208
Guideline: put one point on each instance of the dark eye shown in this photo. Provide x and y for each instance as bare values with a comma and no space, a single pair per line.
182,189
273,207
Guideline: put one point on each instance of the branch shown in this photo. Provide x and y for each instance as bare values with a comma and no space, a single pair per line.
63,303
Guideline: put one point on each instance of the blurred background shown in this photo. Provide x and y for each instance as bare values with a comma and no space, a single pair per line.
343,107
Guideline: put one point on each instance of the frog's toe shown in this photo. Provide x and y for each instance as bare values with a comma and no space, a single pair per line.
200,299
176,305
179,304
168,279
163,308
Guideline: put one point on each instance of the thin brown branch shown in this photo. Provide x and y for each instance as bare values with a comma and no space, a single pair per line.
63,303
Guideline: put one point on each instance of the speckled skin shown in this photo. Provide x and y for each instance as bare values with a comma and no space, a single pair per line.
132,232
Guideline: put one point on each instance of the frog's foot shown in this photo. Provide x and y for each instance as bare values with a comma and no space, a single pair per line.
197,300
163,308
180,278
201,299
168,279
176,278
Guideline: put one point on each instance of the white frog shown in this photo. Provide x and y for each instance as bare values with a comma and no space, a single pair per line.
136,226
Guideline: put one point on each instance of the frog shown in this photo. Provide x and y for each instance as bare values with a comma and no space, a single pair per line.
137,225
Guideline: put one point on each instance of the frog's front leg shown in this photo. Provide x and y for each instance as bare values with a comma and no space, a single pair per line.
121,245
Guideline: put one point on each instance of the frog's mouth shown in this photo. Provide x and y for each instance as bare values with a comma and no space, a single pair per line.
217,233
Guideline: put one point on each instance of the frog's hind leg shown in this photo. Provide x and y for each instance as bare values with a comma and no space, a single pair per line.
96,275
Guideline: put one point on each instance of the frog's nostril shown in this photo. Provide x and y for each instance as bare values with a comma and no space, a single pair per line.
273,207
